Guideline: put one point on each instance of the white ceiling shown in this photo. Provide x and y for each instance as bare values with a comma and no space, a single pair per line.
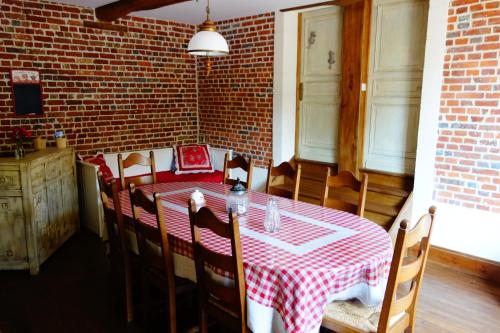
193,12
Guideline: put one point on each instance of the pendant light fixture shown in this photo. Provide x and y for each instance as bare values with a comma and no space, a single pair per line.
208,42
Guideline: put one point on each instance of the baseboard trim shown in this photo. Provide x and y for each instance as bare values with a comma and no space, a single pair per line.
483,268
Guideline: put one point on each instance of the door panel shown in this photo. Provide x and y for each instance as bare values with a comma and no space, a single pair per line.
394,84
70,202
51,234
319,131
400,35
397,144
320,76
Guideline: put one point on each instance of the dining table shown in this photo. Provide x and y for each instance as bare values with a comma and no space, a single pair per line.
317,256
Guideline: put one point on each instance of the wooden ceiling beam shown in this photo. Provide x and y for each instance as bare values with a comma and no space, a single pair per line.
121,8
342,3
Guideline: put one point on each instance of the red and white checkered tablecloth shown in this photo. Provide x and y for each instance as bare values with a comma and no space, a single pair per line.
317,253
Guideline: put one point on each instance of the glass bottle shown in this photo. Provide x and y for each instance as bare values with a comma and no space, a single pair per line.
272,221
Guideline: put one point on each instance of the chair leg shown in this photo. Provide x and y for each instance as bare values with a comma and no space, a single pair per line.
129,298
145,300
171,313
115,283
203,320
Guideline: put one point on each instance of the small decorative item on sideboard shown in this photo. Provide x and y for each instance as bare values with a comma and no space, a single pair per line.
21,135
61,141
40,143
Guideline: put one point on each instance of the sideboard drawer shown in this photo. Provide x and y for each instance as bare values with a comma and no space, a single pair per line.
11,205
13,247
10,180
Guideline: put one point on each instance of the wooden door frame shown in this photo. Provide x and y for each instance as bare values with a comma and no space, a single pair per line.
356,19
297,85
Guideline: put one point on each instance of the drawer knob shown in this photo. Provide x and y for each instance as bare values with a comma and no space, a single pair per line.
5,205
10,253
3,180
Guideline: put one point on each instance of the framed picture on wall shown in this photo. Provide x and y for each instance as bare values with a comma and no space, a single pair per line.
26,92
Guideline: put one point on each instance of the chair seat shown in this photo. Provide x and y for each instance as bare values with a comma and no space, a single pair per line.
353,314
356,316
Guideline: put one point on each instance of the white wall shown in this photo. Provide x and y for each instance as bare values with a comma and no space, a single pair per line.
259,177
467,230
285,73
470,231
430,102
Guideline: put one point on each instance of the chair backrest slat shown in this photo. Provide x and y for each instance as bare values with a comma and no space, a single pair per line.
345,179
212,291
403,303
137,159
409,271
205,220
340,205
238,162
406,268
401,324
148,232
284,170
216,259
419,232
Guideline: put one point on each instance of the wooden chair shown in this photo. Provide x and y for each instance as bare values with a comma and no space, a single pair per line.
115,227
397,313
284,170
345,179
226,303
155,258
238,162
136,159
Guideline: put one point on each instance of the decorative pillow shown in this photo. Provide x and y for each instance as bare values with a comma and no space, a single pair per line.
103,167
192,159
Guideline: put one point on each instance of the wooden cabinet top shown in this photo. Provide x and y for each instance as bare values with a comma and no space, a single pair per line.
34,156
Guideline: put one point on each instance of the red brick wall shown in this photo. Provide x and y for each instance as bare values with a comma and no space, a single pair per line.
236,100
108,90
468,149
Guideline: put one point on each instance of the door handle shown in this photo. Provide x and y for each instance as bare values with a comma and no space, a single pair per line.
331,59
301,91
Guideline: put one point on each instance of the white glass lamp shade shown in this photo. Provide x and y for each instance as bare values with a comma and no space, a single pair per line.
208,43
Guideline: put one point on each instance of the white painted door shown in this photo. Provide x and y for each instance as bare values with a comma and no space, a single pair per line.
394,84
319,88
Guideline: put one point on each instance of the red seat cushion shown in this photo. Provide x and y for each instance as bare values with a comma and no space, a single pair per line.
171,177
203,177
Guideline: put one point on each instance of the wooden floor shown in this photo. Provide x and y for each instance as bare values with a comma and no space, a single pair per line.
71,294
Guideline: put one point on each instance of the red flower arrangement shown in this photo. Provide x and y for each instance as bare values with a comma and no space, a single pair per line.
21,135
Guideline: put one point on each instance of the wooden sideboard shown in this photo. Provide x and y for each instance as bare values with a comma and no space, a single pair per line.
38,207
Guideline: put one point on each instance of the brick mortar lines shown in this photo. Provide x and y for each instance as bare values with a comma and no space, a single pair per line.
468,161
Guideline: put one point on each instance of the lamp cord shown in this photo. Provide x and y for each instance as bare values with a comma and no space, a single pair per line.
208,10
